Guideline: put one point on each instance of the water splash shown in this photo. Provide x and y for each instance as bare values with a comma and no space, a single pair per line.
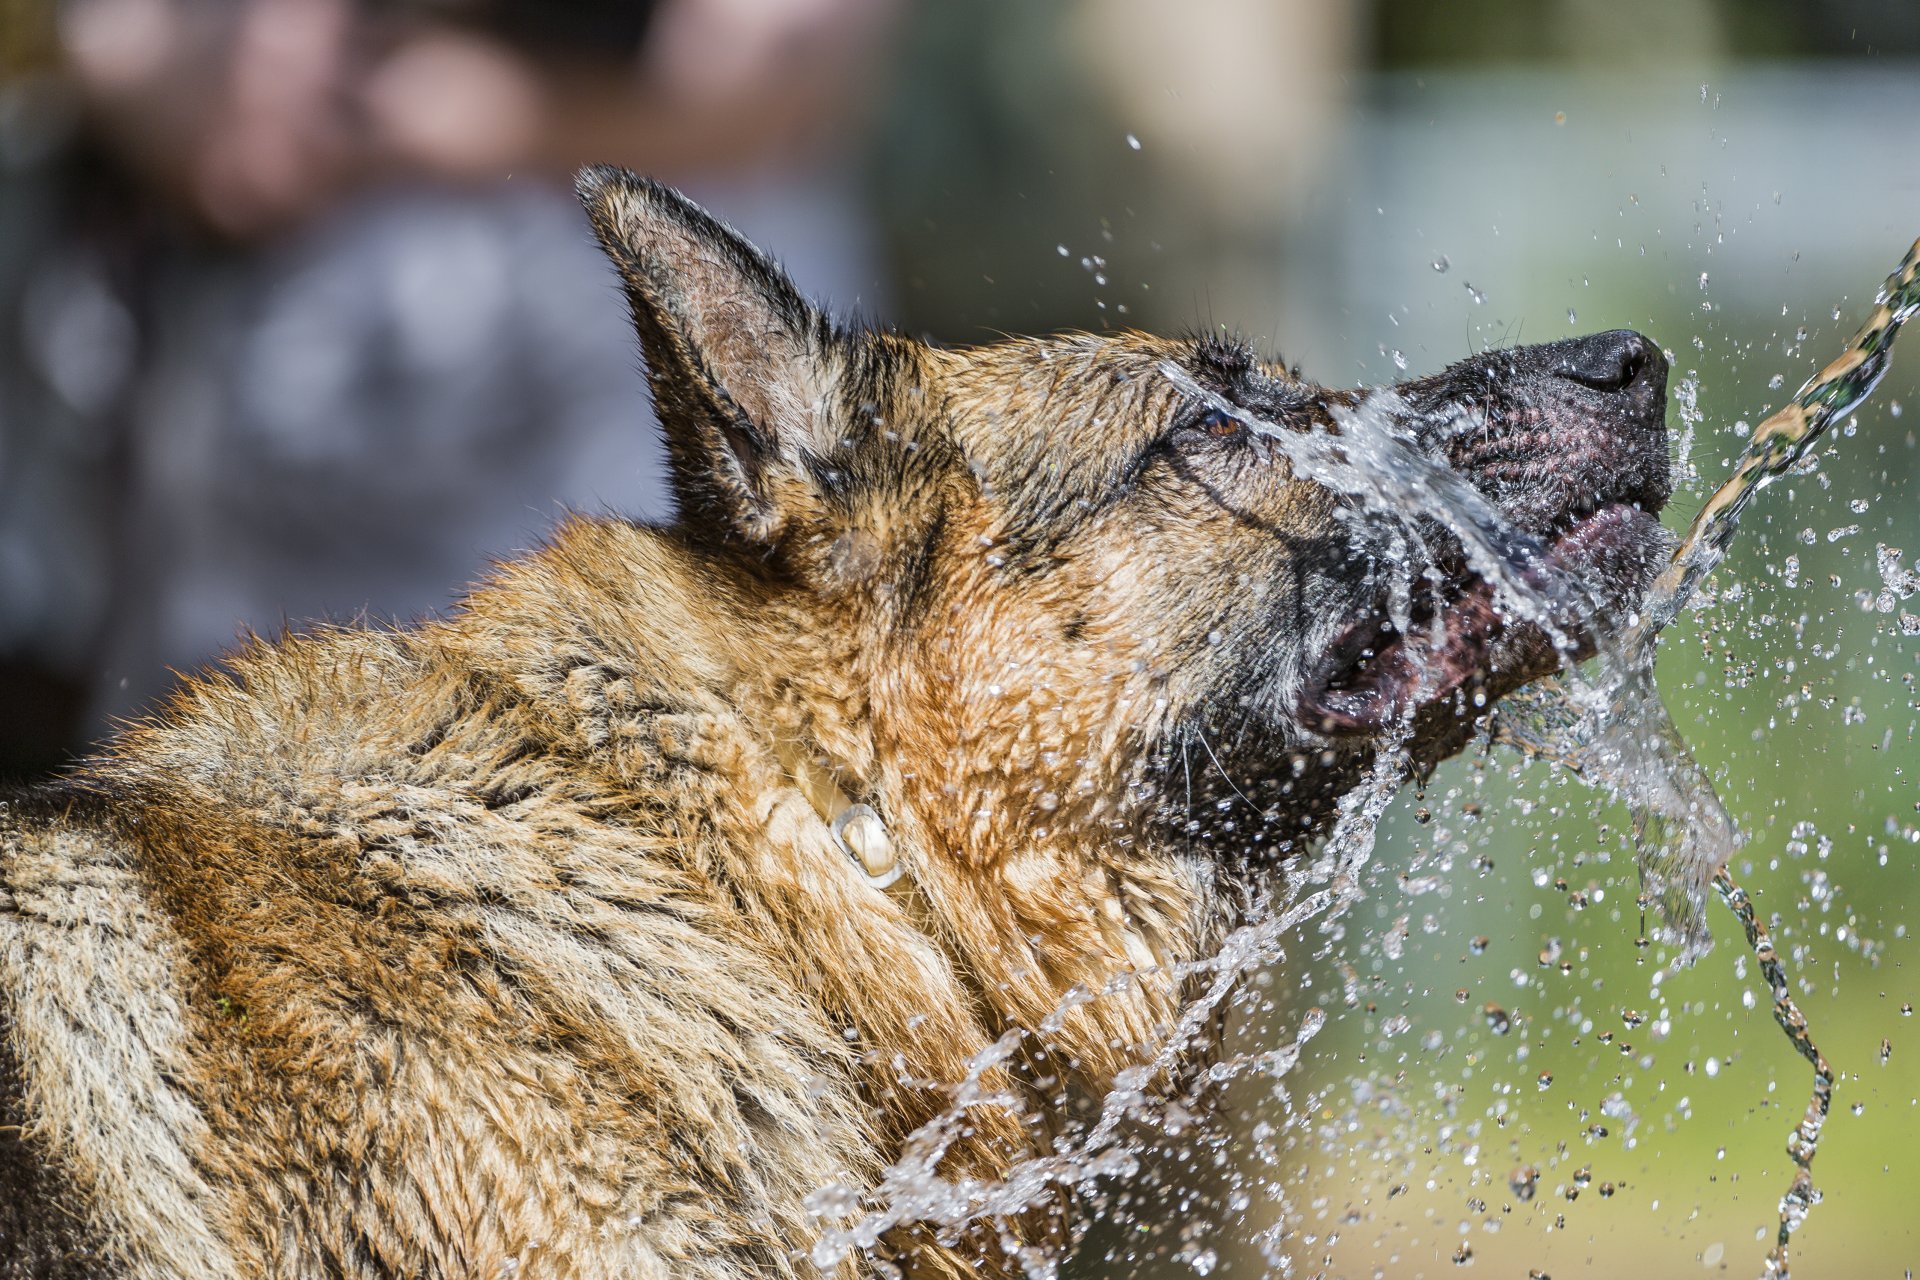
1604,720
1781,441
912,1190
1608,721
1615,731
1374,457
1804,1142
1616,734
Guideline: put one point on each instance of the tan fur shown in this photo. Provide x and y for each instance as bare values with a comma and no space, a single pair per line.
97,980
514,940
508,945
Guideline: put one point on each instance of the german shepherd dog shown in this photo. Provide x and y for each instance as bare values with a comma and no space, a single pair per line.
682,871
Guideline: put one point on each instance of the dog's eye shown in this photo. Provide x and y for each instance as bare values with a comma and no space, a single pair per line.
1217,424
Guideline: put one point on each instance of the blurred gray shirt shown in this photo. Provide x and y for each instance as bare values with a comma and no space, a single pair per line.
351,422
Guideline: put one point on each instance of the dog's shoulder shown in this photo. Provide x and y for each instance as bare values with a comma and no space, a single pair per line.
92,978
443,870
43,1218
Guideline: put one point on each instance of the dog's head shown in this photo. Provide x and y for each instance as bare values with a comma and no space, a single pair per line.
1077,556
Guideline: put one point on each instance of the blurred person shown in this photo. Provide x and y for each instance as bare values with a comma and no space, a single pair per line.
298,319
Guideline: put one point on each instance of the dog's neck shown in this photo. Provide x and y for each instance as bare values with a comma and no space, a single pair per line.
1048,907
1041,867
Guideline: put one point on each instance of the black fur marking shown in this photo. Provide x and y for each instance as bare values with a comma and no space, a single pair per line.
430,739
507,797
1222,361
79,797
44,1234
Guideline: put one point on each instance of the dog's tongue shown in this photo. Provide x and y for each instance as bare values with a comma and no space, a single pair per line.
1406,671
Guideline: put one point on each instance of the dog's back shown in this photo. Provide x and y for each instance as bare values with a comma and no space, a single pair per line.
351,966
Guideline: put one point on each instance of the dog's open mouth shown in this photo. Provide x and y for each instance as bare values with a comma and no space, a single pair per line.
1460,644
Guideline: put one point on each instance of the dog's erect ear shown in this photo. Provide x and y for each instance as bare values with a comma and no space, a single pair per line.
742,367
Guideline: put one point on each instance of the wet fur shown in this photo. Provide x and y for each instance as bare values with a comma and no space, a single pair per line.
507,942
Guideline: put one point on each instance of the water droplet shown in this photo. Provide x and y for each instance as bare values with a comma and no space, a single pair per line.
1135,144
1525,1181
1479,298
1441,264
1571,317
1497,1018
835,1200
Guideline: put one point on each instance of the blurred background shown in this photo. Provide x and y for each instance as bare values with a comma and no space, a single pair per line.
298,320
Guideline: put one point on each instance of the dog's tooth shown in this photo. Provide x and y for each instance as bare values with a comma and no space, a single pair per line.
867,836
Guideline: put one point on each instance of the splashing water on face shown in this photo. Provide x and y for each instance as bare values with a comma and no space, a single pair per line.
1373,458
1602,719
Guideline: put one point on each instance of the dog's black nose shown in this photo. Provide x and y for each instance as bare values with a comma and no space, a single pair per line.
1621,360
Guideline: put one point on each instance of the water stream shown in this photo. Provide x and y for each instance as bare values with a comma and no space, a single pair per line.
1603,719
1781,441
1611,726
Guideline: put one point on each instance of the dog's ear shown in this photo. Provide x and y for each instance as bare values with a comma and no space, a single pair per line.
742,367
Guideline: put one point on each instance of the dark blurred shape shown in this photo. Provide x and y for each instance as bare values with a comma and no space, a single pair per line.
36,698
300,321
1629,33
26,37
608,28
